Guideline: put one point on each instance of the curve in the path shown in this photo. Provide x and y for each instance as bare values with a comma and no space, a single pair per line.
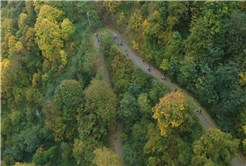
204,117
114,135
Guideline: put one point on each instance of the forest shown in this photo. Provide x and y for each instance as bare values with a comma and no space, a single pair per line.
56,108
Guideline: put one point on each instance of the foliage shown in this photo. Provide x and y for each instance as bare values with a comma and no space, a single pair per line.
205,153
83,151
112,5
171,112
105,156
67,28
102,101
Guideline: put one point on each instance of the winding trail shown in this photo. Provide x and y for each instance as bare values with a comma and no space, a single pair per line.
114,135
204,117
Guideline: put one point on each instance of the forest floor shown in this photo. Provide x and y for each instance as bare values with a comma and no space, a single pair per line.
113,135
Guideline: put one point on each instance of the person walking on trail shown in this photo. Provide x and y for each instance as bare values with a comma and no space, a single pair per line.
162,77
197,112
118,44
143,60
114,138
149,69
200,111
98,39
97,34
126,50
127,54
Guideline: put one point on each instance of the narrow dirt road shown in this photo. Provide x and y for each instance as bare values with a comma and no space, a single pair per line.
204,117
114,135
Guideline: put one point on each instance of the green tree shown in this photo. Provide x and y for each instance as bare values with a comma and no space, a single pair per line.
215,148
128,110
83,151
144,104
68,97
102,101
105,43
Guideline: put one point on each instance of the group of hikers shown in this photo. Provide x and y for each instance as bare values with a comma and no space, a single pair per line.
149,67
121,43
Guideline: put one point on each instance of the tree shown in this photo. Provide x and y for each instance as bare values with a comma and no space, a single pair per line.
157,91
68,96
128,110
67,150
210,28
174,50
136,20
48,32
102,101
172,112
113,6
28,40
83,151
104,156
134,89
216,14
171,150
90,63
105,43
4,65
178,13
144,104
67,28
230,94
215,148
48,39
37,6
54,121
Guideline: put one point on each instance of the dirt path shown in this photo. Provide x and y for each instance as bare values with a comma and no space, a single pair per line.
114,135
204,117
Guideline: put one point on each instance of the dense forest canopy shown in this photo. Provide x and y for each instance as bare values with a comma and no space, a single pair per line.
58,110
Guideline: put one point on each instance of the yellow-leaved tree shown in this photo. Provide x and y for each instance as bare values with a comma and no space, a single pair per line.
67,28
104,156
4,65
21,20
63,57
112,5
242,80
11,44
48,33
122,20
136,20
171,112
37,5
